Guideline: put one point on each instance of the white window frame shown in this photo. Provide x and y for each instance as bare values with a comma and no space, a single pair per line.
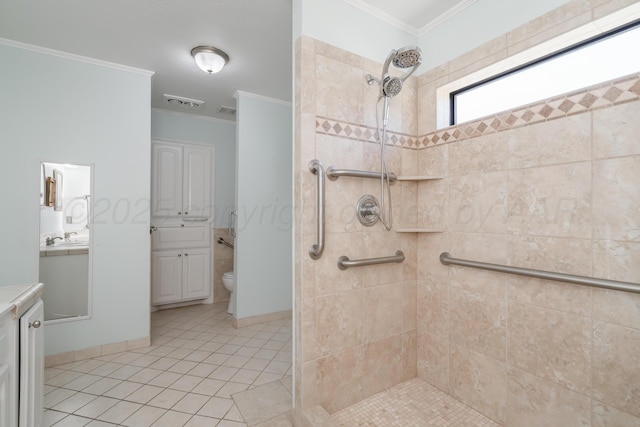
571,38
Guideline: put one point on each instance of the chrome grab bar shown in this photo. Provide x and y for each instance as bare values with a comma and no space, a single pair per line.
344,262
446,259
333,173
316,168
221,241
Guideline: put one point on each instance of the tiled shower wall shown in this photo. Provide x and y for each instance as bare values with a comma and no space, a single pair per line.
355,329
553,186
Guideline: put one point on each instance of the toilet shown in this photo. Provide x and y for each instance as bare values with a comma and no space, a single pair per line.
229,281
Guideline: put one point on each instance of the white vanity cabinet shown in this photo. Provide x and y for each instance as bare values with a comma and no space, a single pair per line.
181,264
181,181
21,356
180,275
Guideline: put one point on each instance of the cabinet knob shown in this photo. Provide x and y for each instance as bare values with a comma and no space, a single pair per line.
179,213
186,254
186,213
35,325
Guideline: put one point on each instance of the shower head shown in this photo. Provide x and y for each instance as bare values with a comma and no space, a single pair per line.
406,57
391,86
409,56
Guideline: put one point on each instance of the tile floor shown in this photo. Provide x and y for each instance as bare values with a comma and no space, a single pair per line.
413,403
196,361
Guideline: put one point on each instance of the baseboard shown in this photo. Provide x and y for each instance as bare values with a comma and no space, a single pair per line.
262,318
96,351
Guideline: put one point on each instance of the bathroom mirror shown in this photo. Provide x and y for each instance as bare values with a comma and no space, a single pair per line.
65,240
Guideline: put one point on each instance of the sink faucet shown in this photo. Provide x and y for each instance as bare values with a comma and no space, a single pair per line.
68,234
51,240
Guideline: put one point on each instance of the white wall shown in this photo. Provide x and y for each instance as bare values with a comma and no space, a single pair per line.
264,174
205,130
65,110
342,25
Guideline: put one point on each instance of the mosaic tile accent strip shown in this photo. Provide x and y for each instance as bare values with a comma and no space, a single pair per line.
340,129
411,403
593,98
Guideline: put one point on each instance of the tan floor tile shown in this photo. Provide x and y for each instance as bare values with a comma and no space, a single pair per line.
191,403
119,412
216,407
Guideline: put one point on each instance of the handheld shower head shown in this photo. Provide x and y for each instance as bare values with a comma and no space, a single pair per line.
406,57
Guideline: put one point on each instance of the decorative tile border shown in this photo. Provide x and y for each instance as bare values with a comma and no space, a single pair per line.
332,127
589,99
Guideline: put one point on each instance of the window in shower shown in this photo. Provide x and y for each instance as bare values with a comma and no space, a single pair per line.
598,59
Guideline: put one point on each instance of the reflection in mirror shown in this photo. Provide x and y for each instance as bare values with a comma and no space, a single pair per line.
65,237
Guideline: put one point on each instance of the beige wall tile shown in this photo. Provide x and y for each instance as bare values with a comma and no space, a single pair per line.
433,204
562,255
430,245
606,416
620,308
484,154
382,365
551,344
433,161
616,260
307,340
339,320
480,382
538,205
382,312
409,305
409,245
478,203
616,130
433,308
305,82
533,401
491,248
574,299
557,141
409,355
605,7
433,360
616,367
330,279
616,183
478,322
339,90
380,243
339,379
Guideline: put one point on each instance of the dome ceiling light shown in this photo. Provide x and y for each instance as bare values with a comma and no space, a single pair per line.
209,59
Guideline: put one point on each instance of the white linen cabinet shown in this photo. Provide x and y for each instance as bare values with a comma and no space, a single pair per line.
181,217
180,181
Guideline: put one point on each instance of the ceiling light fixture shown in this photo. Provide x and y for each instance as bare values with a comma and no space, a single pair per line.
209,59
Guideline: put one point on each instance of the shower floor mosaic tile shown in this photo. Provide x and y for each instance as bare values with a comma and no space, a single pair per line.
413,403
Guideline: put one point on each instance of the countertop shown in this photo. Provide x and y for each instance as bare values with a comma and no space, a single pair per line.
19,298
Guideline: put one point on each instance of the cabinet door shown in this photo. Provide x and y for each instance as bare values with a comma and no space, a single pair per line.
197,183
166,277
32,366
166,181
5,394
197,273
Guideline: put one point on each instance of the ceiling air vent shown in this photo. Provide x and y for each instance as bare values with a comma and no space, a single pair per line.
226,110
179,101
